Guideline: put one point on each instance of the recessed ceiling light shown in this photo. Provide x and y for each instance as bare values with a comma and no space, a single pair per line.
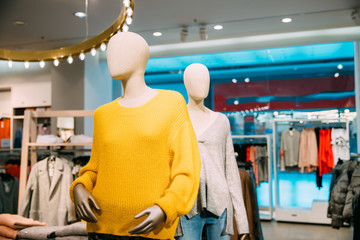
80,14
286,20
234,80
19,22
157,34
247,80
218,27
336,75
340,66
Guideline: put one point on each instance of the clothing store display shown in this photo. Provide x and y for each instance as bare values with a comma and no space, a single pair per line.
261,159
223,191
325,154
48,139
9,193
47,193
340,144
18,222
308,151
214,226
290,143
143,156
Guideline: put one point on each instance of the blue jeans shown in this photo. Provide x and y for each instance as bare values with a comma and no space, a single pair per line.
214,227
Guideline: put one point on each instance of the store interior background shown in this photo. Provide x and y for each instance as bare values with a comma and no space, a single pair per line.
259,67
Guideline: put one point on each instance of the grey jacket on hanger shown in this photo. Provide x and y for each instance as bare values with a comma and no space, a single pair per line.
48,200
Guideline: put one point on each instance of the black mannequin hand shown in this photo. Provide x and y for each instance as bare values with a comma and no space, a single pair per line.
155,216
84,201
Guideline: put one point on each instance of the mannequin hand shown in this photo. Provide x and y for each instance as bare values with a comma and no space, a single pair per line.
83,202
155,216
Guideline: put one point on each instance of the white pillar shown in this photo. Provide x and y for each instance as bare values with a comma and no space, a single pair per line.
357,89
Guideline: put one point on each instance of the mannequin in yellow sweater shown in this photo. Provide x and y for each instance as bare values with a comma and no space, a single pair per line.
144,169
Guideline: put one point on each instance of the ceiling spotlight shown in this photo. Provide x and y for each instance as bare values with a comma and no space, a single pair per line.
10,63
26,64
82,56
234,80
218,27
247,80
236,102
80,14
93,51
70,59
56,62
286,20
157,34
340,66
336,75
103,47
126,3
203,33
125,28
183,34
42,64
346,111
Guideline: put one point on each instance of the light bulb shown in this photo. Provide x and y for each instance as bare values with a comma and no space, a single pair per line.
56,62
126,3
82,56
93,51
340,66
103,47
234,80
129,20
247,80
10,63
26,64
129,12
157,34
125,28
336,75
218,27
236,102
42,64
286,20
70,59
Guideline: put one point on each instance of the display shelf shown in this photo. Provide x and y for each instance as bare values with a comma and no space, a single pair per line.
18,117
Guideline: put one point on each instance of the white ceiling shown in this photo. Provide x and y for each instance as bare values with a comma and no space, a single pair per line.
51,24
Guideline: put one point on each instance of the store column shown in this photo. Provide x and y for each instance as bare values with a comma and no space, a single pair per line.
357,89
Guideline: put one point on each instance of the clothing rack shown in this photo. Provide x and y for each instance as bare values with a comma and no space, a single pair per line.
318,213
269,214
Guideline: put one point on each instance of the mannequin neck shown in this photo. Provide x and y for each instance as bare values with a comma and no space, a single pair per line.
134,87
196,105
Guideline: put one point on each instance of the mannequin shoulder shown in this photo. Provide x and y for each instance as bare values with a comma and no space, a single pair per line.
173,98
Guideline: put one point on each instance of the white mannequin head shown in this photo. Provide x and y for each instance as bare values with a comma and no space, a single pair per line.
197,81
127,54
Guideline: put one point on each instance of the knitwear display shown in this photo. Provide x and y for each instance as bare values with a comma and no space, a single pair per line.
142,156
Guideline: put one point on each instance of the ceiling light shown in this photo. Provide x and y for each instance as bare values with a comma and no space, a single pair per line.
286,20
93,51
103,47
19,22
125,28
70,60
218,27
340,66
56,62
157,34
234,80
276,113
247,80
346,111
26,64
10,63
82,56
42,64
236,102
80,14
336,75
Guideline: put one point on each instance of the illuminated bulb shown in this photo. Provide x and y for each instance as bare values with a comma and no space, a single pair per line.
93,51
82,56
10,63
129,20
236,102
126,3
157,34
276,113
286,20
70,60
336,75
218,27
125,28
103,47
234,80
129,12
340,66
247,80
26,64
346,111
56,62
42,64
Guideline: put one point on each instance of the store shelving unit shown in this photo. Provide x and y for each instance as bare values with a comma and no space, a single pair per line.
30,135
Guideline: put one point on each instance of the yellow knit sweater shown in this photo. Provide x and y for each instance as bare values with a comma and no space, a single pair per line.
140,157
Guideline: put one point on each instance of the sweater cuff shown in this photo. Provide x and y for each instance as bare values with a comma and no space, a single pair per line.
84,180
167,204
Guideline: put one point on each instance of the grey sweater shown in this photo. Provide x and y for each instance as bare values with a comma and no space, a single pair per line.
220,186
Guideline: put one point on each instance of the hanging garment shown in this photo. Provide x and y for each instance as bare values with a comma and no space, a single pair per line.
340,144
220,186
47,195
9,193
308,151
18,137
325,155
261,159
255,165
4,131
290,142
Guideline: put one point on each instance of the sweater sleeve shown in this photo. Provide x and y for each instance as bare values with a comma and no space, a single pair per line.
88,174
234,184
181,194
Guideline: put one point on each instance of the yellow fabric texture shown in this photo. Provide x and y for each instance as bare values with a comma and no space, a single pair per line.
140,157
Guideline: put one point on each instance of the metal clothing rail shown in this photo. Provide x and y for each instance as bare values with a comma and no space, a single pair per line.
293,215
267,137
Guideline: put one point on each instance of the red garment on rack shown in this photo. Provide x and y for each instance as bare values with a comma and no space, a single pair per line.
254,164
325,154
248,153
4,129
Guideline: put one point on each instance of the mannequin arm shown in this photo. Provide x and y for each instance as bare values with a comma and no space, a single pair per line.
84,201
155,217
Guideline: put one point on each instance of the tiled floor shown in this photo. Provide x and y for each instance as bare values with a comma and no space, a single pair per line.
293,231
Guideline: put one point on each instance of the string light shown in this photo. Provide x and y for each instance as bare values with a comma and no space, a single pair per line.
70,60
125,28
26,64
93,51
129,12
129,20
10,63
42,64
82,56
103,47
126,3
56,62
